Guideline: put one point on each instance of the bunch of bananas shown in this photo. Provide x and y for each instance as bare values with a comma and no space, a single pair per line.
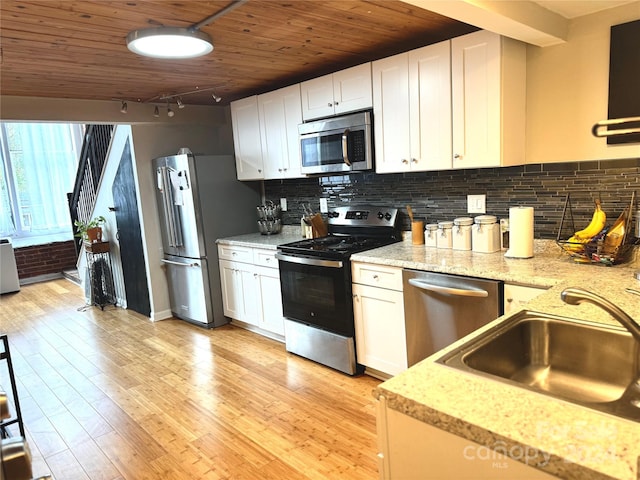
581,237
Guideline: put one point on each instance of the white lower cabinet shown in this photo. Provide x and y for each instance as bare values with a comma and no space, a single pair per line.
409,449
517,296
378,308
251,288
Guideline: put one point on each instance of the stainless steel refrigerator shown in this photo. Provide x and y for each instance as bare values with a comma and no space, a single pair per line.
200,200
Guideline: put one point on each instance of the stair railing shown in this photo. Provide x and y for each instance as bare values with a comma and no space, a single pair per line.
93,156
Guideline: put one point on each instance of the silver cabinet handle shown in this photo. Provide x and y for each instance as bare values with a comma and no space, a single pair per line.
329,104
448,290
179,264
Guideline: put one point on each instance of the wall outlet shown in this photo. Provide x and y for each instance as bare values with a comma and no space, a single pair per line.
283,204
476,203
324,208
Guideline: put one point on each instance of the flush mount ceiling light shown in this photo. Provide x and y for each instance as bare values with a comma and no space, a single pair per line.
176,42
169,42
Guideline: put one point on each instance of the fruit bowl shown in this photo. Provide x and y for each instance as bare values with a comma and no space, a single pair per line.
602,241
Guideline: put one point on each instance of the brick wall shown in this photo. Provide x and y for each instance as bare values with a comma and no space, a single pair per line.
45,259
442,195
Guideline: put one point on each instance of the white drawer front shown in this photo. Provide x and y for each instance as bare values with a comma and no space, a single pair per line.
235,253
377,276
265,258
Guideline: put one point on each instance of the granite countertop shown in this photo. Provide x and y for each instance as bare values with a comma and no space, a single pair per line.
257,240
561,438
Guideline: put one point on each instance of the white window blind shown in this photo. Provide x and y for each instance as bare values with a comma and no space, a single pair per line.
37,170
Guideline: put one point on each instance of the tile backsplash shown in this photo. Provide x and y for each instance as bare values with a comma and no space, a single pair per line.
442,195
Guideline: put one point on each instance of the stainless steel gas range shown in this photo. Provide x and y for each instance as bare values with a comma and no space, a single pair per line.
315,277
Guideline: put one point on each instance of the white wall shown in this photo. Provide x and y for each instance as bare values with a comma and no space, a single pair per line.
567,92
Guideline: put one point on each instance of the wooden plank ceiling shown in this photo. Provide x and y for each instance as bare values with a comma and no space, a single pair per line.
77,49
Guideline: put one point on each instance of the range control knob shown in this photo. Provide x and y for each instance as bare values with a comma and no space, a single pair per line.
387,216
333,214
380,215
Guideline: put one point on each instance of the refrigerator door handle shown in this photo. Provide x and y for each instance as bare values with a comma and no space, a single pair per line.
179,264
173,227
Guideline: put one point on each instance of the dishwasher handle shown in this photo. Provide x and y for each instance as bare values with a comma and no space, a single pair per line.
448,290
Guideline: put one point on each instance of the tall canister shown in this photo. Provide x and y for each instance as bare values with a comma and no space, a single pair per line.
485,234
461,233
444,239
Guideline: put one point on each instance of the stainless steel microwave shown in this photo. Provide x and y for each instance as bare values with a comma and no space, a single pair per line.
337,144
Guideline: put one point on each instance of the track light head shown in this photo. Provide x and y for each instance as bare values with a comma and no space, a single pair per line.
123,107
170,113
156,112
179,102
216,98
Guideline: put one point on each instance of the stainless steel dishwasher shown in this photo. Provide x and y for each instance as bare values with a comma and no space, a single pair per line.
441,308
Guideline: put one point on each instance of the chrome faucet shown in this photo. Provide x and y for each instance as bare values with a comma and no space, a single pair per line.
575,296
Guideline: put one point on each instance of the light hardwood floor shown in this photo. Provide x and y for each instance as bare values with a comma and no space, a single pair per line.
111,395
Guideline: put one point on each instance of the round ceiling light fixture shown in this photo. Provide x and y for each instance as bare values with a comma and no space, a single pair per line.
170,42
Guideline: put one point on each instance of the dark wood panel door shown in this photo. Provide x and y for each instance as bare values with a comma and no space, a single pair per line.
130,236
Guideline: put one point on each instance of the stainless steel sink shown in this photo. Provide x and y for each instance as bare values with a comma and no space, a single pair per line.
586,363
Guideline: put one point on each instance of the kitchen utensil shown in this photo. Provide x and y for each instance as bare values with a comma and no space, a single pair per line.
410,212
631,290
417,232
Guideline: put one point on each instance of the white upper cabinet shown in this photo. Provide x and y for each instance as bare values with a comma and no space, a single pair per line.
412,110
488,97
280,113
340,92
246,138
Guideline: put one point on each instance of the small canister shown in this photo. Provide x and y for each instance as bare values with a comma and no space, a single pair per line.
485,234
444,239
462,233
430,235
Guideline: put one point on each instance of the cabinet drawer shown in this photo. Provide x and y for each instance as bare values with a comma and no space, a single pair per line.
265,258
377,276
235,253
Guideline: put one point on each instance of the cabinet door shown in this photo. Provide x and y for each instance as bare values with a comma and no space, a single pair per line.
476,88
380,332
430,107
352,89
391,113
232,294
246,138
280,113
248,279
317,97
517,296
414,450
270,294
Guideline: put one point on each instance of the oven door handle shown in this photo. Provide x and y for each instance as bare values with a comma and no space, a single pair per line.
345,145
315,262
448,290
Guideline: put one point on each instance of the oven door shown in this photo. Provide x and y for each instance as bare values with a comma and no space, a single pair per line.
317,292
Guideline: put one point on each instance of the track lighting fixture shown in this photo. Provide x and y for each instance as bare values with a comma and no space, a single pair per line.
216,98
156,112
170,113
123,107
179,102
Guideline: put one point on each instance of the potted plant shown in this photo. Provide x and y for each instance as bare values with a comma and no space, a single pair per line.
90,231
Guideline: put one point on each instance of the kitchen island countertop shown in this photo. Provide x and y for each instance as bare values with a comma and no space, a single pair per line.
570,441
